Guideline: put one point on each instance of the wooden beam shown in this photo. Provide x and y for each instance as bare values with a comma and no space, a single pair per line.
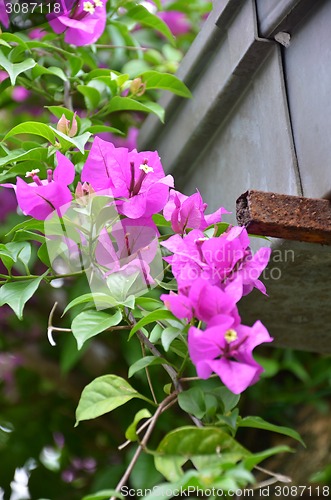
284,216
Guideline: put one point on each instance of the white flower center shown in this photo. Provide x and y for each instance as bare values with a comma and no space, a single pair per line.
88,7
146,168
230,335
32,173
98,3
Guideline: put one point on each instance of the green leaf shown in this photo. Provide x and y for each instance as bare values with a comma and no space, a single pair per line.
103,495
165,81
10,37
15,69
43,253
27,224
193,401
18,155
118,103
91,96
149,304
12,252
131,431
52,70
259,423
79,141
168,335
103,395
89,323
156,333
32,128
160,220
17,293
120,285
225,397
97,129
28,235
169,285
150,318
256,458
144,17
107,300
144,362
191,443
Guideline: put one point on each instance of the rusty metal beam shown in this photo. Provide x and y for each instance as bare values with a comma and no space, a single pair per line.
284,216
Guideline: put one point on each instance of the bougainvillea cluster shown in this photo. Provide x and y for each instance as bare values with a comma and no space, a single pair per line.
213,272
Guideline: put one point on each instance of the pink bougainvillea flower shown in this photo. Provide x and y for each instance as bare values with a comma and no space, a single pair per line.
230,257
187,262
137,180
223,261
40,198
129,239
4,19
202,301
225,348
188,212
83,24
179,304
251,268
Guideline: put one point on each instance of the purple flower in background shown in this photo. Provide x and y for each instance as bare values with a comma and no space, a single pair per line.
188,212
20,94
40,198
83,24
225,348
136,179
7,204
4,19
37,33
176,21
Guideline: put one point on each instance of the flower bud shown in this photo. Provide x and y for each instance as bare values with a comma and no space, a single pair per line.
67,128
137,87
83,190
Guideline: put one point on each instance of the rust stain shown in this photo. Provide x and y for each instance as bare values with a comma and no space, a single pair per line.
284,216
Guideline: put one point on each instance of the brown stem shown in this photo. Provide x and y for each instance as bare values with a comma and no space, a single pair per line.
144,441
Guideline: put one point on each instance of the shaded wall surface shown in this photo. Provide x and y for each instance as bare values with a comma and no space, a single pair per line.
260,118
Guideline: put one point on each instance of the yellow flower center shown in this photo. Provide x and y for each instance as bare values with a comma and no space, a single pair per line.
230,336
88,7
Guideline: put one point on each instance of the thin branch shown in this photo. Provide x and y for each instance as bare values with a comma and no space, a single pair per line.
278,477
148,375
169,369
51,328
144,441
145,424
